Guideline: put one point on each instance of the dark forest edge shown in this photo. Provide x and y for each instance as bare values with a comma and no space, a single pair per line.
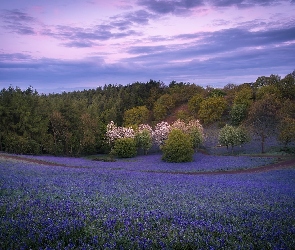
75,123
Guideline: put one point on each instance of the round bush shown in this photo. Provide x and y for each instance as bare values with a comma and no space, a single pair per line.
178,147
124,148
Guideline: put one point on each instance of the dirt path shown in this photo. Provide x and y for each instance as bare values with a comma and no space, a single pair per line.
283,164
20,158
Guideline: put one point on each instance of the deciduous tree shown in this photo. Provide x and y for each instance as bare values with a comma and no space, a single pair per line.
287,131
232,136
137,115
263,118
211,109
194,104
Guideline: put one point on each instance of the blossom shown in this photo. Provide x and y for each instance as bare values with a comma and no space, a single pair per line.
161,132
114,132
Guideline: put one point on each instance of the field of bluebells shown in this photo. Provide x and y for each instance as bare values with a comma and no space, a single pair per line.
138,204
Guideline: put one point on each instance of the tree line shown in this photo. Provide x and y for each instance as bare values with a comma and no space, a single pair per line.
75,123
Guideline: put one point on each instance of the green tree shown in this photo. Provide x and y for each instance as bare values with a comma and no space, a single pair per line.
211,109
288,108
88,134
287,131
216,93
182,92
61,133
178,147
144,140
196,137
23,124
135,116
232,136
287,87
268,90
163,107
238,113
194,104
263,118
244,96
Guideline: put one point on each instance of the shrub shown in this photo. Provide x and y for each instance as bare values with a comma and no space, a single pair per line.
124,148
21,145
194,129
178,147
144,140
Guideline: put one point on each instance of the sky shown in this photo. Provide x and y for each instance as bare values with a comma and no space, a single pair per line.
66,45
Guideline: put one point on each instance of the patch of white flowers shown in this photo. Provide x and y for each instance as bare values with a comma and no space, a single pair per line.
160,132
114,132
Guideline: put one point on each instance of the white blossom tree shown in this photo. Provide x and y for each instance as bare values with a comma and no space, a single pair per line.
232,136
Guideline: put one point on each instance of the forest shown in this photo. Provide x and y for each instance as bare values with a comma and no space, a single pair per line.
75,123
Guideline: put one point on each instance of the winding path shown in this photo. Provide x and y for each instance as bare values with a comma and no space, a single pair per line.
283,164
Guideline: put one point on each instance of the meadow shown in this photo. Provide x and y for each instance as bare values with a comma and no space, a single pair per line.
142,203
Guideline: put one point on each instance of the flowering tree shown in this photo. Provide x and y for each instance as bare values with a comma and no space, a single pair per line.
161,132
193,128
179,124
114,132
145,136
232,136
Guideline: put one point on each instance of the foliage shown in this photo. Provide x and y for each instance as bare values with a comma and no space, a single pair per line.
23,123
194,104
244,96
216,93
124,148
178,147
288,108
232,136
163,107
287,131
287,86
263,118
238,113
135,116
143,137
75,123
211,109
196,133
21,145
183,92
183,115
193,128
268,90
263,81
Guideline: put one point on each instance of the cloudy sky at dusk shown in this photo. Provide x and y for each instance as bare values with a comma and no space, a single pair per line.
62,45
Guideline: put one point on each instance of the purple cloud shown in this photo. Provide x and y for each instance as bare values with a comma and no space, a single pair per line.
18,22
175,7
